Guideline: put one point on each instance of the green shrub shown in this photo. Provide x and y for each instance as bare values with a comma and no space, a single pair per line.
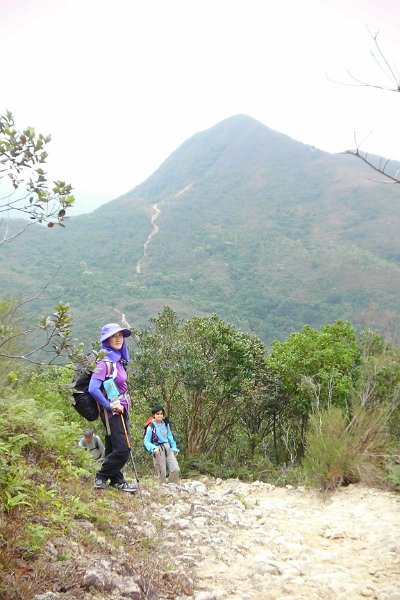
33,441
51,388
394,476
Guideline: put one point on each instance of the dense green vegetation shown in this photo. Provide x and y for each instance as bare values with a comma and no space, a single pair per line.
247,411
320,408
50,515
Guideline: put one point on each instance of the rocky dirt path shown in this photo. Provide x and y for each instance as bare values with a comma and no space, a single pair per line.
242,541
228,540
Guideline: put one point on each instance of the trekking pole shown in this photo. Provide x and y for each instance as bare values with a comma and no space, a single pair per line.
132,459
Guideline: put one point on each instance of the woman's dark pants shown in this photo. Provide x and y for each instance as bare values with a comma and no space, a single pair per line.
116,451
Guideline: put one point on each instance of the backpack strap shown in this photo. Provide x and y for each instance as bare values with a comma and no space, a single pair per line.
108,367
154,436
108,364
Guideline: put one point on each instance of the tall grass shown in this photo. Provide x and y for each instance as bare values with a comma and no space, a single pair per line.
343,450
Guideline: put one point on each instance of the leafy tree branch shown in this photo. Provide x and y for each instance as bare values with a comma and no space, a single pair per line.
55,346
28,192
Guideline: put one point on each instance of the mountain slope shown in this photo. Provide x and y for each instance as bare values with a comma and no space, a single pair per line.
266,231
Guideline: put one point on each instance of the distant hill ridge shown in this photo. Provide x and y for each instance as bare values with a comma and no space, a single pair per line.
266,231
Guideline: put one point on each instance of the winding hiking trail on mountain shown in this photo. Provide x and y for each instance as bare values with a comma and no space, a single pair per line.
156,213
153,232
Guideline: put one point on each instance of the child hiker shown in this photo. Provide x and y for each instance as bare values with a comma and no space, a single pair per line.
159,441
115,417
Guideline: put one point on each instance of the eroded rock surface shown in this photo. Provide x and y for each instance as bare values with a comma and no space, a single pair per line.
257,542
228,540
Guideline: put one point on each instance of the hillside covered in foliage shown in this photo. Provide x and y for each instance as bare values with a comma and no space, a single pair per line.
241,221
321,409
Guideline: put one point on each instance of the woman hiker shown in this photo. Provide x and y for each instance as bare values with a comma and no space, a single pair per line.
115,415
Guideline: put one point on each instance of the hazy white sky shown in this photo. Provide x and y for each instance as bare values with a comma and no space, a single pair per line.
120,84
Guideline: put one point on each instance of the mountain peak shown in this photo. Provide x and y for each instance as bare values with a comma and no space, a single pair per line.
239,143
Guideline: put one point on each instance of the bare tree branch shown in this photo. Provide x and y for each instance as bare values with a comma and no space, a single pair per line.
384,66
389,72
380,168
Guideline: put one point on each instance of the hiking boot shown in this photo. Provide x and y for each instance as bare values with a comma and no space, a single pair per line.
100,484
126,487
